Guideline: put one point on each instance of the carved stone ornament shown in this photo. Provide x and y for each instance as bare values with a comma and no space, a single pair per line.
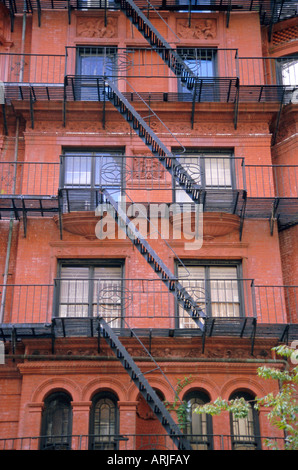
5,33
199,29
96,28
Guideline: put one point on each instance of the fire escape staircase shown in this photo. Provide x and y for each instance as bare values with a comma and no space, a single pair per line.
158,149
164,273
143,385
158,43
174,167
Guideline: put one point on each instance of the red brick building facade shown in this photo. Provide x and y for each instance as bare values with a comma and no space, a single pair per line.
189,111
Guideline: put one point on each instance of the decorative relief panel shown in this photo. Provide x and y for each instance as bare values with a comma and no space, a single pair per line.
199,29
96,28
5,33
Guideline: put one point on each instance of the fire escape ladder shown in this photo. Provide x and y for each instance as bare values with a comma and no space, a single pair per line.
158,149
184,299
158,43
144,387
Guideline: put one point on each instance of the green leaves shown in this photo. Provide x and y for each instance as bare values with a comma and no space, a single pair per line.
239,407
181,409
282,406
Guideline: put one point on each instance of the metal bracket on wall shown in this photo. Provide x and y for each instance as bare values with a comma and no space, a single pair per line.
253,335
64,101
4,119
273,215
236,108
242,214
38,12
274,137
31,107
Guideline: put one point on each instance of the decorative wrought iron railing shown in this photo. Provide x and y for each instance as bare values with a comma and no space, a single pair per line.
216,71
143,302
144,442
137,175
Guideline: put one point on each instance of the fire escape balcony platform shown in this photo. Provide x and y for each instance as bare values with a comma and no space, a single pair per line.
87,327
33,91
282,209
34,206
85,89
269,12
225,200
20,331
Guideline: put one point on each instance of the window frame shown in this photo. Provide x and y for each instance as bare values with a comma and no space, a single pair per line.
202,396
207,284
102,395
206,153
195,3
63,396
288,60
256,442
90,264
185,94
109,55
90,189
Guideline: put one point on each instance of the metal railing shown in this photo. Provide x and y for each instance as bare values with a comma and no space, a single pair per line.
44,69
145,442
130,173
141,302
277,304
135,64
268,181
29,178
147,173
144,62
269,13
141,176
268,70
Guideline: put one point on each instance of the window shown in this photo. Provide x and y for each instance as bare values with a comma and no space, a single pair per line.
287,70
94,62
245,431
195,5
86,4
199,426
202,63
84,173
216,287
87,289
56,422
210,170
104,422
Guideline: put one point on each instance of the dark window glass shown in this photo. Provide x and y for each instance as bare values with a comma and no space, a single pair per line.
245,431
94,63
199,426
216,288
90,290
85,174
203,64
56,422
104,422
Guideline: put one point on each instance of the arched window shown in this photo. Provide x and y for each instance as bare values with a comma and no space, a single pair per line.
56,422
198,427
104,422
245,431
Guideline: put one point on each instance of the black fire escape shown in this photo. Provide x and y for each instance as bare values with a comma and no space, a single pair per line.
107,91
